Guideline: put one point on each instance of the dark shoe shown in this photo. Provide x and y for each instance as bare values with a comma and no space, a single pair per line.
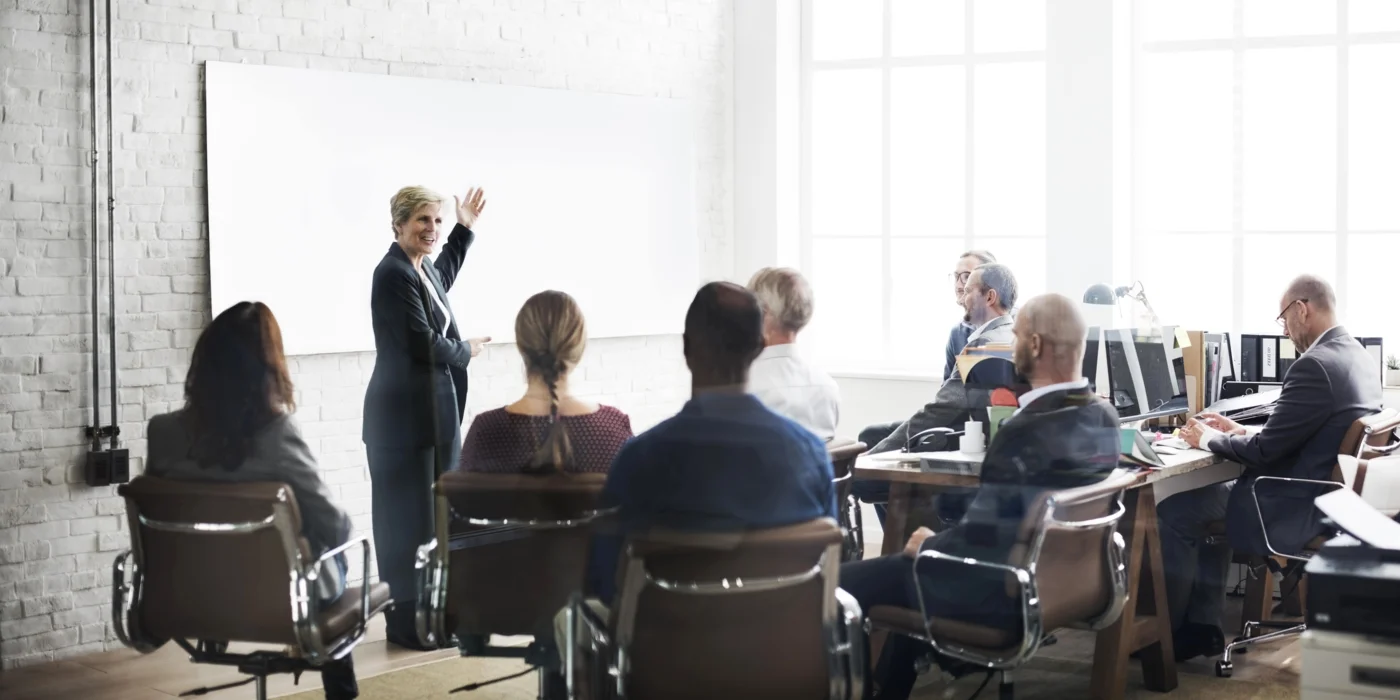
401,629
1194,639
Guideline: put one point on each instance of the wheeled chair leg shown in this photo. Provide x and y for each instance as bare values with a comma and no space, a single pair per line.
1007,691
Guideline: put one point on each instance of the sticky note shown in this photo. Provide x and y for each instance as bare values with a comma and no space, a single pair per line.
1183,340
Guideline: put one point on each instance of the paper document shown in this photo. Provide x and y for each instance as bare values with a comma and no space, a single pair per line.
1354,516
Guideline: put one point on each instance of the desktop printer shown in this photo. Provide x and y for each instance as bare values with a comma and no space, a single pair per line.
1354,580
1353,587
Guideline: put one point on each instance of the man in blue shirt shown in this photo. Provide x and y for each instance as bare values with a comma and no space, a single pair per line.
725,462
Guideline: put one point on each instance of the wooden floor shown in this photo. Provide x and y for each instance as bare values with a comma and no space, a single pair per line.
124,674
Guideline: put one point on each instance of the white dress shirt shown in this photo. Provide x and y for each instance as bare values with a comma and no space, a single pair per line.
784,381
1030,396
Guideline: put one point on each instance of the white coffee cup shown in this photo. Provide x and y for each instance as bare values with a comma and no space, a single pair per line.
973,441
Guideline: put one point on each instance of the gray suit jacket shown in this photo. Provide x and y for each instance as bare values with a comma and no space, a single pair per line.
279,454
1326,389
954,403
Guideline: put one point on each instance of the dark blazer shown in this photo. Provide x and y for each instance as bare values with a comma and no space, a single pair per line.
1325,390
418,391
1062,440
278,454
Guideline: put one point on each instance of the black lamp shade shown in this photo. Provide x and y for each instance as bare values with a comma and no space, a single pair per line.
1100,294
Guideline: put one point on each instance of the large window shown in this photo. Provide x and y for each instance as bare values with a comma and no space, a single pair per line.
923,131
1267,142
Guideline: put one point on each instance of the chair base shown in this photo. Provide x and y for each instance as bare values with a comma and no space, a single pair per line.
259,665
1225,667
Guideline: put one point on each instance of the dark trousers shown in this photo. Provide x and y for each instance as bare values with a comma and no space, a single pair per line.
1195,572
875,492
338,679
886,581
401,480
950,591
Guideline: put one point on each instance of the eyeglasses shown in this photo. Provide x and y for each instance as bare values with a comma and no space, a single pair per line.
960,276
1283,322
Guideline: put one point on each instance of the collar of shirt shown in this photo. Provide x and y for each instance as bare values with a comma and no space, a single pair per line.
1322,337
784,350
984,327
1030,396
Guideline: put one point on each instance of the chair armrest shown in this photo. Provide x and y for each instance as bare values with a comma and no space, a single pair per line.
427,613
312,573
1263,529
577,614
1381,450
853,648
1031,627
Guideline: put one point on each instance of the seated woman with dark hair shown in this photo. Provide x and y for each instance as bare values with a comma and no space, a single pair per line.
237,426
547,430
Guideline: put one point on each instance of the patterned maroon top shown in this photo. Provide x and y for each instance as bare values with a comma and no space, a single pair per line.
502,442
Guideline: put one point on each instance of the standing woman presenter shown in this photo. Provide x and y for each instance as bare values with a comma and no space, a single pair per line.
418,391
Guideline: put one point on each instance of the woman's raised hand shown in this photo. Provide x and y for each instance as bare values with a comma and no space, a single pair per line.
469,209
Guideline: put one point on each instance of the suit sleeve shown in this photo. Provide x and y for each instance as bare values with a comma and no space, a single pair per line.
453,253
1300,410
951,403
425,345
326,526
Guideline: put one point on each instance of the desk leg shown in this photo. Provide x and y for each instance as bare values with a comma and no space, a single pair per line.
1144,623
896,517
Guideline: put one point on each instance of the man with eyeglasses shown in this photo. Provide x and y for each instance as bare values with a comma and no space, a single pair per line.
957,338
1331,384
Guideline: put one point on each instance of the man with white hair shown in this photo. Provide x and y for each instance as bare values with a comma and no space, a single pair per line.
781,377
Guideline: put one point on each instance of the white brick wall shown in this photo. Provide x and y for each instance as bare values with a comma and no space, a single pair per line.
58,536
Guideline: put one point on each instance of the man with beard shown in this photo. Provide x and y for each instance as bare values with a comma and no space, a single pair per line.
1062,436
987,297
1331,384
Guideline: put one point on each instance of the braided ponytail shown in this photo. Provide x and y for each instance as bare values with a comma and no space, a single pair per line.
555,452
549,333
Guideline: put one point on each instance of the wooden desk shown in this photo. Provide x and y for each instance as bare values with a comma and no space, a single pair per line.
1144,624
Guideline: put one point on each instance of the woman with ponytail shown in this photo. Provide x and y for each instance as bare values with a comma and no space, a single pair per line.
548,430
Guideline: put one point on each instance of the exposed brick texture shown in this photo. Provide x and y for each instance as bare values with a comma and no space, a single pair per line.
58,536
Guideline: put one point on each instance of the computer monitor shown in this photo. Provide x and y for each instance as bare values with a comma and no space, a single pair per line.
1144,377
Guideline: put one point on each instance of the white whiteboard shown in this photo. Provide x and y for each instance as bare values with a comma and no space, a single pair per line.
589,194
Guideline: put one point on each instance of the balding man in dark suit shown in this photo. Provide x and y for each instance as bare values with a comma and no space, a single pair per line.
1331,384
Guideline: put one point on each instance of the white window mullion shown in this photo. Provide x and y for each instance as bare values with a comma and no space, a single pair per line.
1343,156
886,279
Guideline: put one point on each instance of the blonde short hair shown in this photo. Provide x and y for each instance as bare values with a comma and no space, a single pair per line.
785,295
409,200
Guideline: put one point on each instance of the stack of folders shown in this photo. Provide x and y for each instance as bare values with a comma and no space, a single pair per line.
971,356
1247,408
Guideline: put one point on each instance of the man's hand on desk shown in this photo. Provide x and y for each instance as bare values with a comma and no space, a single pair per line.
916,540
1198,434
1221,423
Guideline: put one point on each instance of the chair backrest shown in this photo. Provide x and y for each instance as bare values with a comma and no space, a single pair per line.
736,615
516,546
1376,481
1375,430
1067,539
215,559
